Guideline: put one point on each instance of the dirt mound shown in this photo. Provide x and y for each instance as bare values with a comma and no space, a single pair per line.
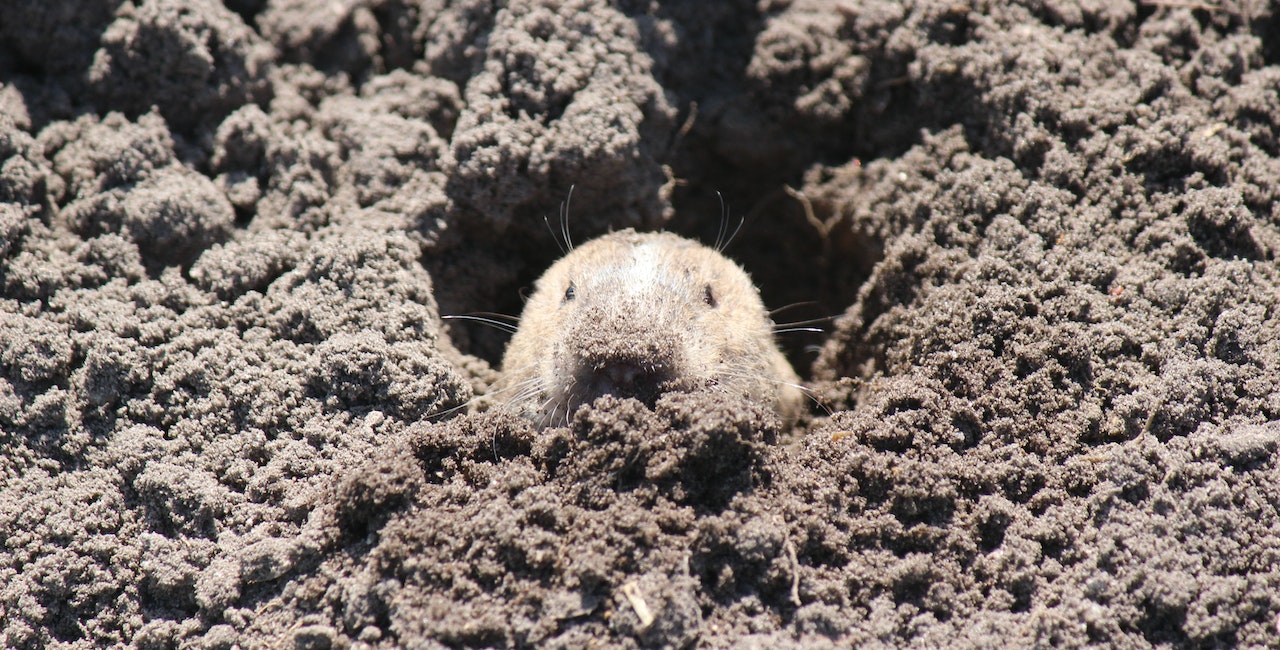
231,415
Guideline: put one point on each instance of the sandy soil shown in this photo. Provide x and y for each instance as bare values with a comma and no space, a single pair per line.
1051,397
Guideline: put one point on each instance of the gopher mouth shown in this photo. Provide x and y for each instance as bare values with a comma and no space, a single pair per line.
641,380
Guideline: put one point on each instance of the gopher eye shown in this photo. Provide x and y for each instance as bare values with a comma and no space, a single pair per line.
569,293
709,297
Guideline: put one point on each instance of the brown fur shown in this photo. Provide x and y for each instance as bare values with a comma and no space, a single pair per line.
647,313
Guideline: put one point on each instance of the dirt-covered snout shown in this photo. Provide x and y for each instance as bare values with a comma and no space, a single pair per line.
631,335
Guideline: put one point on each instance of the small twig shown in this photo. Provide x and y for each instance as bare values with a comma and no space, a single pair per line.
688,122
895,81
631,591
824,228
795,572
1181,4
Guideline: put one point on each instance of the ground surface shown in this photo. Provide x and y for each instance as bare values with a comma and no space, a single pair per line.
227,233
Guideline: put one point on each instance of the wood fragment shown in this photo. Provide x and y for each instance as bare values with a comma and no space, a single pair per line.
631,591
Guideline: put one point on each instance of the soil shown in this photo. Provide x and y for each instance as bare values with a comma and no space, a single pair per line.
1047,411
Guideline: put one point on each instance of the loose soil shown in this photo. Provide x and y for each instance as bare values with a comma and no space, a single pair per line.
1047,408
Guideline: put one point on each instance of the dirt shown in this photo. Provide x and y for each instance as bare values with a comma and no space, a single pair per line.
1047,411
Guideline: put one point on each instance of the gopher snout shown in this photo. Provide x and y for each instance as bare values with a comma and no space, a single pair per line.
626,357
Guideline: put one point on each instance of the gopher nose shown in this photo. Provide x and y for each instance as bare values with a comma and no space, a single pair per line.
620,374
626,348
627,378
